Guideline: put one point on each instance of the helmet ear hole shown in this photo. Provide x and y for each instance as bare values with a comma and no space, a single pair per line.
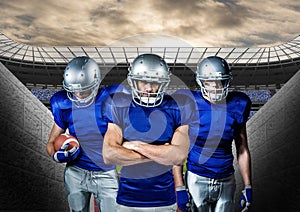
82,74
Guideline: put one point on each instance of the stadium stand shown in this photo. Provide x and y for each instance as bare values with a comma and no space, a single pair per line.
43,95
258,97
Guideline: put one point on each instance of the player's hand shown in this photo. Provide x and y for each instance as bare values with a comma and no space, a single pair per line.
246,198
64,155
182,199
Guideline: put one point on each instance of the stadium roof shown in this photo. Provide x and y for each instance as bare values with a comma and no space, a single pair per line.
257,66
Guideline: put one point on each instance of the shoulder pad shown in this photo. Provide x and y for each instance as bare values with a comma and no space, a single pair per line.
60,100
109,91
239,97
176,101
240,102
120,99
184,99
168,101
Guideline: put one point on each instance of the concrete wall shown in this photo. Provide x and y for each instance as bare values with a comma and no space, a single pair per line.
274,141
29,179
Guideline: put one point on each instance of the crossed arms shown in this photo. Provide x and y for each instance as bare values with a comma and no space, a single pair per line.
115,151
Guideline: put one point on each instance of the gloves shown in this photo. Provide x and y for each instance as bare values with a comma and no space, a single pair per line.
182,199
246,198
64,155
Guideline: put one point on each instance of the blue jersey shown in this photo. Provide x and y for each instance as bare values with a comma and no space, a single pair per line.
212,133
86,124
147,184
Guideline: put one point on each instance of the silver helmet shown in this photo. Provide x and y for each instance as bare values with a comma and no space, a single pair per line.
148,68
214,69
82,80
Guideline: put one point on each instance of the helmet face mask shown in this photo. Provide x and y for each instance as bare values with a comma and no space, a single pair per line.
81,81
214,77
148,78
148,98
80,99
216,92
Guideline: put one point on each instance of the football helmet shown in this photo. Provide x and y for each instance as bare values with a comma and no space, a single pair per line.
148,68
214,69
82,80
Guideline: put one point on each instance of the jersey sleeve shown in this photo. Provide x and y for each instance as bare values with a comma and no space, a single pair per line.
246,107
187,107
57,111
107,109
247,110
112,109
112,104
242,106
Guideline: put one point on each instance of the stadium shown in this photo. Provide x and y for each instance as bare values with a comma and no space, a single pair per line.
30,75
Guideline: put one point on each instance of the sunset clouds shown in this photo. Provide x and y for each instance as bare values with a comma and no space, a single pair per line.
204,23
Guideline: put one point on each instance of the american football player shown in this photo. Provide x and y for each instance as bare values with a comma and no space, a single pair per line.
222,119
147,134
77,109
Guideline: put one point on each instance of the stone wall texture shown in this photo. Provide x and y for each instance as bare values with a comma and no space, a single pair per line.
29,179
274,142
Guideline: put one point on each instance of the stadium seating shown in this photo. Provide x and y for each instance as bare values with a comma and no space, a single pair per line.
257,96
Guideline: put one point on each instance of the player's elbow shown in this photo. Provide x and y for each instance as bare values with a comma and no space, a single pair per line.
107,159
180,160
107,155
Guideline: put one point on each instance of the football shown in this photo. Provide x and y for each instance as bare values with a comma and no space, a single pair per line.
65,138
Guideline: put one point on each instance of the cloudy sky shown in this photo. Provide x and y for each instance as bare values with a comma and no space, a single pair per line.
204,23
